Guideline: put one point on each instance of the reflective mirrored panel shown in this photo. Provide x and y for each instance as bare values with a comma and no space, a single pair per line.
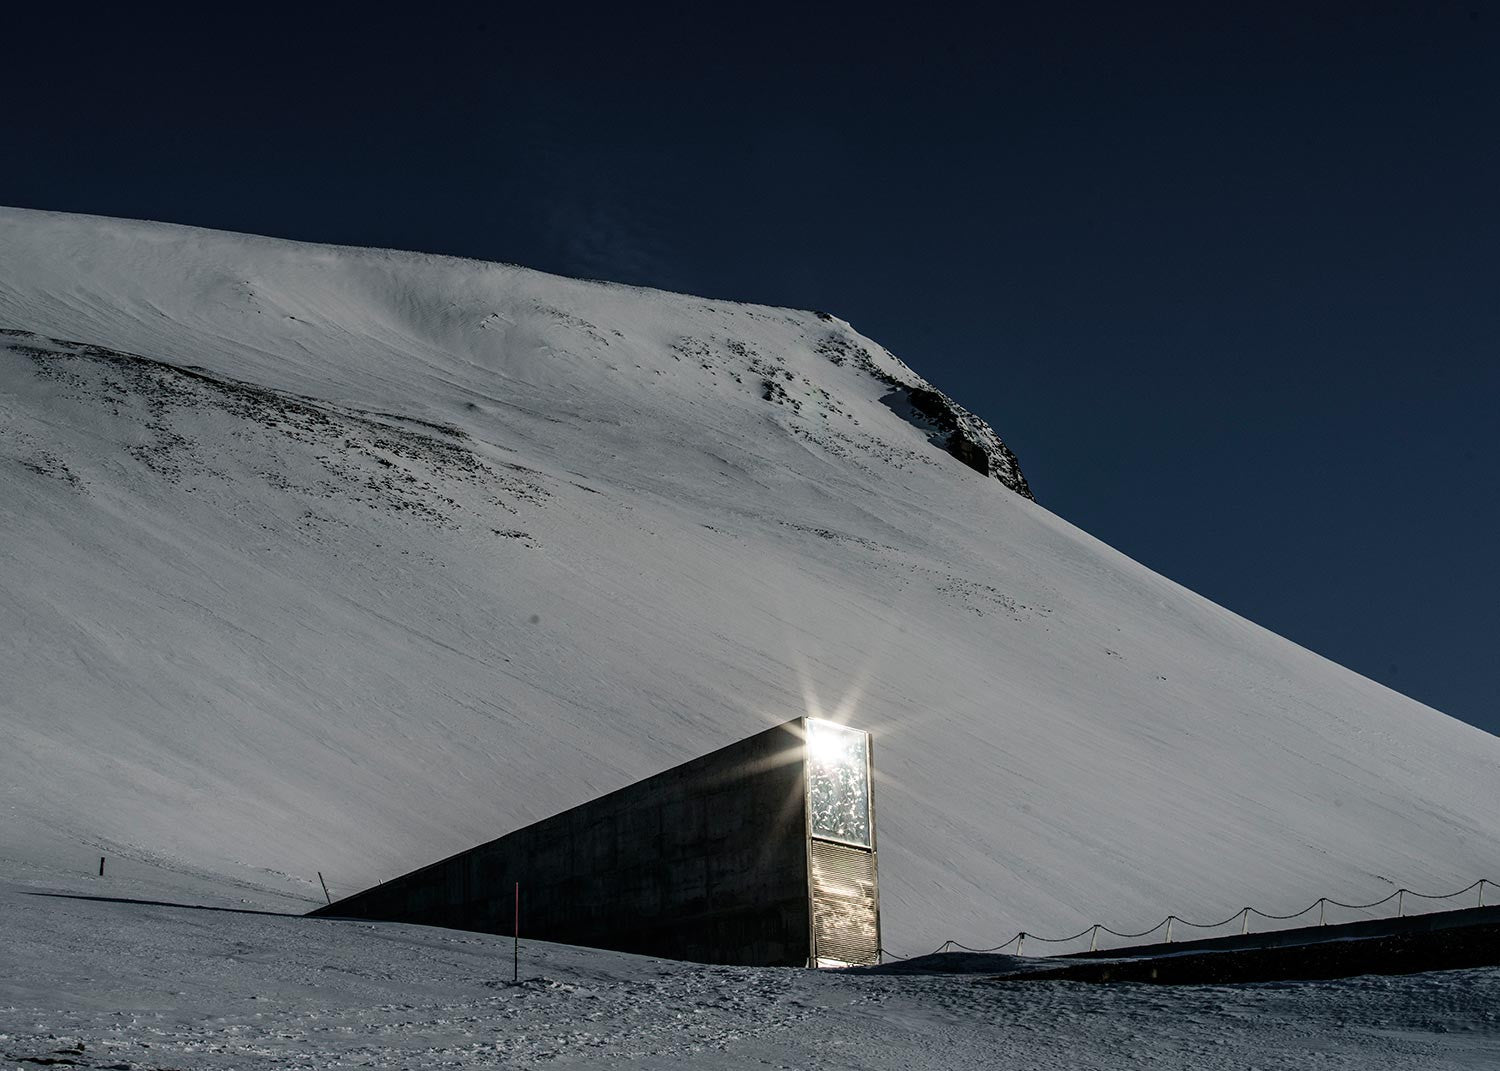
838,782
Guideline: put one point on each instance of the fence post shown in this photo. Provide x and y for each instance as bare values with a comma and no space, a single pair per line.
1245,922
1094,940
1400,902
1481,892
1169,928
1020,941
1322,905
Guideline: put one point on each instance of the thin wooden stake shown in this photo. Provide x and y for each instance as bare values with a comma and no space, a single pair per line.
325,887
101,868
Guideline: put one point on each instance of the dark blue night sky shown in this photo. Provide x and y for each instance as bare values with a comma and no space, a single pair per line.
1227,278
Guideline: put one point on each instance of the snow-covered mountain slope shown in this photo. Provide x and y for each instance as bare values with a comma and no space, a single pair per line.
343,560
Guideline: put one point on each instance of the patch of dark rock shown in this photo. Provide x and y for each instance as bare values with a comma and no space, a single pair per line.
962,434
53,468
839,351
409,454
773,391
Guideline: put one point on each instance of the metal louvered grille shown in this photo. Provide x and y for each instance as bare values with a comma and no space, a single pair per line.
846,905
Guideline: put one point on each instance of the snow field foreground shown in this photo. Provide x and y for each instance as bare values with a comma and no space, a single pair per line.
341,560
111,984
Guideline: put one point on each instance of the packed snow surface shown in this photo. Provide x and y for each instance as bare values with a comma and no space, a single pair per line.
343,560
110,983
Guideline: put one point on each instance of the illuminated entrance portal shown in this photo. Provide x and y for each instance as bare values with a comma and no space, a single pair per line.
758,854
841,849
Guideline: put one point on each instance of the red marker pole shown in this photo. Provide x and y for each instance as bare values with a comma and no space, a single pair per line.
515,962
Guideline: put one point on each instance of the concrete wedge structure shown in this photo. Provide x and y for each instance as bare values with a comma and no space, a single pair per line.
759,854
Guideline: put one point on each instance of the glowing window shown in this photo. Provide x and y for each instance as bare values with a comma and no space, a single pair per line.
838,782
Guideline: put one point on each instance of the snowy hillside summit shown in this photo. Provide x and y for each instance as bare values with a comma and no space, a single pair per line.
345,560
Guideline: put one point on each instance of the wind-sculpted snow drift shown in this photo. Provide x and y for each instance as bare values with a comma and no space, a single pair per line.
344,560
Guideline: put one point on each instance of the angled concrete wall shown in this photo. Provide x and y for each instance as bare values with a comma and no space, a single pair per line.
708,862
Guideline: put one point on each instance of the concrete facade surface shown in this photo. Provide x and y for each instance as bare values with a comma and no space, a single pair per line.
707,861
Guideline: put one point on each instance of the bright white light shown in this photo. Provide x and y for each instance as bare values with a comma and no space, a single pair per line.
838,782
827,742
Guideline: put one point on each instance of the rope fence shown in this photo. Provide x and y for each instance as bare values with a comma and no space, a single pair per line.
1322,904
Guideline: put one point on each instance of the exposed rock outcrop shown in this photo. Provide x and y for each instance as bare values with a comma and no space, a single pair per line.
964,435
967,437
